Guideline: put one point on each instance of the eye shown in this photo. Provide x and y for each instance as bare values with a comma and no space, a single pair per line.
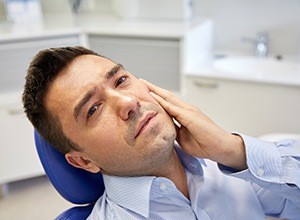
120,80
92,110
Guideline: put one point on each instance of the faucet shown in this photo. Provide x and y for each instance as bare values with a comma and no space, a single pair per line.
75,4
261,44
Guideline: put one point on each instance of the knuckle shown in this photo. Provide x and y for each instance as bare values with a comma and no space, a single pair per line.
169,95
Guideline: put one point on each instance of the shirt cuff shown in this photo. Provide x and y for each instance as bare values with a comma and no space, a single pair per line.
263,161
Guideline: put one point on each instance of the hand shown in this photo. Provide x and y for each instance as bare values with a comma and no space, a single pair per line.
197,134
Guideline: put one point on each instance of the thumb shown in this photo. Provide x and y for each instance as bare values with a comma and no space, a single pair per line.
183,136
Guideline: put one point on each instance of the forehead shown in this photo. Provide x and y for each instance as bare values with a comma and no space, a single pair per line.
81,71
87,65
74,80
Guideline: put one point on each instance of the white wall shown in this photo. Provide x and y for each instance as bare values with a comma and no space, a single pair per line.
87,6
237,18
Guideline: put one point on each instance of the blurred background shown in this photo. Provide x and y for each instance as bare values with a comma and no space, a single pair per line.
236,60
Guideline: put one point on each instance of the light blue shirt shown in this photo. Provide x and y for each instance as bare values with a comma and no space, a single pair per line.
270,186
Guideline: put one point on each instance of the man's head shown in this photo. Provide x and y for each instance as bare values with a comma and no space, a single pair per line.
42,71
96,113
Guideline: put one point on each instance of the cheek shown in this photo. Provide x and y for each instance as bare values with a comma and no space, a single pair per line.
103,145
100,134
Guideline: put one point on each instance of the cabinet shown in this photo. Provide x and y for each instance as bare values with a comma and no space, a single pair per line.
15,56
156,52
154,59
18,157
248,107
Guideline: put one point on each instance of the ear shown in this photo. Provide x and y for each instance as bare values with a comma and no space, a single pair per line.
77,159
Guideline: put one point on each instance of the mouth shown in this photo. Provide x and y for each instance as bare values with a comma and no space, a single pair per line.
144,122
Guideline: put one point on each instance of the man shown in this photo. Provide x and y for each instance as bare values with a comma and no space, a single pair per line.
104,119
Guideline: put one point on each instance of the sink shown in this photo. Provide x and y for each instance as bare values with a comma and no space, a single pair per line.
254,65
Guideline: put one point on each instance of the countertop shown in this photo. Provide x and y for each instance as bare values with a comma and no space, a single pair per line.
205,69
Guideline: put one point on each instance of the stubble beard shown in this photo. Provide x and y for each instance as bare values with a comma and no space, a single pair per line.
134,120
156,152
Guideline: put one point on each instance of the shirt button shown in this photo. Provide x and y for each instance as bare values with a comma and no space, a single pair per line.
260,172
163,186
248,179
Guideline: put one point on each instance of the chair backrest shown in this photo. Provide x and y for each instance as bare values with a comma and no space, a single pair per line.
75,185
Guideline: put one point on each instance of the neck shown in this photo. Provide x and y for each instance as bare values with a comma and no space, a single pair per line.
175,171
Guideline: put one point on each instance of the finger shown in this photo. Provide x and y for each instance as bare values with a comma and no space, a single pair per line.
182,116
170,108
159,91
165,94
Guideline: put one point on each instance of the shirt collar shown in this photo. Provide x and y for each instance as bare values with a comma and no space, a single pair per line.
133,193
192,164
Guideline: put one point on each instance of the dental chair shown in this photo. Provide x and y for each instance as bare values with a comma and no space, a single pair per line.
75,185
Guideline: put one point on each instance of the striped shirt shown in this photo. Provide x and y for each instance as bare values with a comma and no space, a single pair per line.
270,186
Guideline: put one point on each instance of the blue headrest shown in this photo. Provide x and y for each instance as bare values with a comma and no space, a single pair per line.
75,185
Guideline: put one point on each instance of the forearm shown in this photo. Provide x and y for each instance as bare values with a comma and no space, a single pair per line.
273,162
274,171
272,166
234,154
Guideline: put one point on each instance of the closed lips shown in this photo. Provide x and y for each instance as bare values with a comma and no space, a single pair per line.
145,120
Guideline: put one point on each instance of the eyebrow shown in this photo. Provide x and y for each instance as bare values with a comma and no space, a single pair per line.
87,97
114,70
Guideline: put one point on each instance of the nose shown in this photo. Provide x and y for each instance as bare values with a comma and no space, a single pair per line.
124,103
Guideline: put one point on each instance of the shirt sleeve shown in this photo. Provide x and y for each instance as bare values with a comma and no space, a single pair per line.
274,171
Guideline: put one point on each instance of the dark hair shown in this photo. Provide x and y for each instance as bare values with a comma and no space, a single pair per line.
42,71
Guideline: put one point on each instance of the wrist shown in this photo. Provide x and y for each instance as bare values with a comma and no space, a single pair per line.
234,154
